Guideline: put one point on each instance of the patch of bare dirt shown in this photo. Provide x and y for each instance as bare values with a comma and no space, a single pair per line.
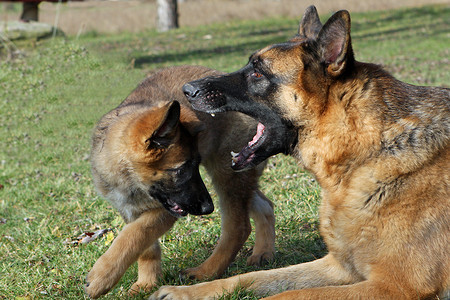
137,15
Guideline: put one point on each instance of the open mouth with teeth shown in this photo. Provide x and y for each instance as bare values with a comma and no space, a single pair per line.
188,200
273,135
174,208
213,95
246,156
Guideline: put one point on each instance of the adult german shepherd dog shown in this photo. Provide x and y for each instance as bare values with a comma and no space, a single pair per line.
379,149
145,157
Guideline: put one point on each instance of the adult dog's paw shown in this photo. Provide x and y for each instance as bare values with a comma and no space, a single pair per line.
173,293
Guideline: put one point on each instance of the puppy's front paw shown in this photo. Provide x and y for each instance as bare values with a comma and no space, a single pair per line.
259,259
100,279
172,293
139,286
94,287
196,273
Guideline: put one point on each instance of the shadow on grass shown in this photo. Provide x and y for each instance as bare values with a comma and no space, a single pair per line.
245,48
414,22
408,20
435,29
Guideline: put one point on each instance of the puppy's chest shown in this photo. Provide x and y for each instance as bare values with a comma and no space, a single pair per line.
132,205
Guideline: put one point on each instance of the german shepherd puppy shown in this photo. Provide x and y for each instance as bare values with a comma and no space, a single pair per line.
379,148
145,157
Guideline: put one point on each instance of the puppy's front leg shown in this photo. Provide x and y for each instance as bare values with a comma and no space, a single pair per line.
235,191
149,269
261,211
131,242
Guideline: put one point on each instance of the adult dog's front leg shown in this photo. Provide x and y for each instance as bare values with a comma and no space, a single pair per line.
131,242
319,273
369,289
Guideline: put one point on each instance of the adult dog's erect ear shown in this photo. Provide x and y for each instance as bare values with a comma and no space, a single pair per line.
335,43
310,24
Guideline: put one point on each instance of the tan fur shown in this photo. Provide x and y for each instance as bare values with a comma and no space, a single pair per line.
117,143
138,240
380,150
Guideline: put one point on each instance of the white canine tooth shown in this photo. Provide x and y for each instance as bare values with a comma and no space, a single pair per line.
234,158
213,115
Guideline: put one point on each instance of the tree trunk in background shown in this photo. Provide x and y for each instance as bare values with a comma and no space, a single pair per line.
30,11
167,15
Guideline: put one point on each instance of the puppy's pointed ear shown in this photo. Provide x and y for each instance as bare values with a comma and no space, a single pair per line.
163,136
310,24
335,43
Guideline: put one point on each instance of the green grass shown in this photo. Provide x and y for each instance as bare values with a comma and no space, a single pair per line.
53,92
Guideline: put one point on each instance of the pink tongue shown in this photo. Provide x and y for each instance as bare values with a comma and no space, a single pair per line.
259,133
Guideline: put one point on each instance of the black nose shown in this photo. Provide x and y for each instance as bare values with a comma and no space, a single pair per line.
207,207
190,91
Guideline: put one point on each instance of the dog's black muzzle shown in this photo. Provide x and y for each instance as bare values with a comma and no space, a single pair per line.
232,92
229,92
184,195
205,96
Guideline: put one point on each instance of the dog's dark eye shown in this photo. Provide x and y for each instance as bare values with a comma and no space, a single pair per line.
257,75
